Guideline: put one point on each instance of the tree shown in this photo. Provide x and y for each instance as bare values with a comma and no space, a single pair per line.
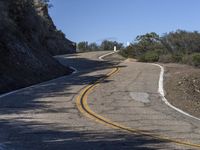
105,45
109,45
149,38
179,46
144,43
182,42
83,46
147,47
93,47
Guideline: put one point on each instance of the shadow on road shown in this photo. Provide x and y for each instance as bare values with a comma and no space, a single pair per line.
20,134
35,136
29,99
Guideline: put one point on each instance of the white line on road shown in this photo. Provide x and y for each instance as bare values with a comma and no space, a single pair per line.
101,57
74,70
161,91
160,88
38,85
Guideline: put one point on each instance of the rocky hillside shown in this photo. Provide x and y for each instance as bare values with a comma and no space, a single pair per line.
27,42
55,40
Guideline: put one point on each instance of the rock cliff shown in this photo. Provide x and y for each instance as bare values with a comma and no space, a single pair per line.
28,39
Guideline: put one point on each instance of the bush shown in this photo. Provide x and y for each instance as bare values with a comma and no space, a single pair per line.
177,57
186,59
150,56
171,58
195,59
126,53
165,58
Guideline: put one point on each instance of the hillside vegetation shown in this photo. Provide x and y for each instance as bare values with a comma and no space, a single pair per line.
105,45
180,47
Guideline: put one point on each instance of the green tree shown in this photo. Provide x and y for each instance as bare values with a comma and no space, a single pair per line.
182,42
145,43
109,45
83,46
148,38
93,47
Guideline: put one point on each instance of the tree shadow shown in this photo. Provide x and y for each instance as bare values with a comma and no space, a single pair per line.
31,98
18,134
27,99
83,64
37,136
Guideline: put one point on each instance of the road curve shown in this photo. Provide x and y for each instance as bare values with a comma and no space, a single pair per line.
85,109
46,117
135,88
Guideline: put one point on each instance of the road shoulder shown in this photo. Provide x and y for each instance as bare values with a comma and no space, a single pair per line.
182,87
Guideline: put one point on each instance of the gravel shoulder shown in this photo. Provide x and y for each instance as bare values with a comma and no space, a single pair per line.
182,87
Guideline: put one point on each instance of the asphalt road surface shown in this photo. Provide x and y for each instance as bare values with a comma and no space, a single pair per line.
127,111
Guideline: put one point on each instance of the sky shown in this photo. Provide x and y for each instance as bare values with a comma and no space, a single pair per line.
123,20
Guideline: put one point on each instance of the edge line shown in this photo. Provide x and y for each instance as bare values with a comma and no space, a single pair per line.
82,105
162,94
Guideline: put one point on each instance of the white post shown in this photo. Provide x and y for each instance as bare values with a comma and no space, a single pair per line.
115,48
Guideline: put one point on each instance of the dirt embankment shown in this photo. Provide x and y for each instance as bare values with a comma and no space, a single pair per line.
182,86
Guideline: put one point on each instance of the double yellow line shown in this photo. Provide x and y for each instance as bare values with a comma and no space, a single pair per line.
83,107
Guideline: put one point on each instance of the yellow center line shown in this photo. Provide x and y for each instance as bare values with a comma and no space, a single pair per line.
84,108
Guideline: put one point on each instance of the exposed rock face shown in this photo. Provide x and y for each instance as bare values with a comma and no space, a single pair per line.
55,41
28,38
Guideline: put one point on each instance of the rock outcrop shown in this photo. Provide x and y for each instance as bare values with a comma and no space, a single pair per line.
28,39
56,42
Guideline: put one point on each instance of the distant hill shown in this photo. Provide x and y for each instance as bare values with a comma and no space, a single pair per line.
28,40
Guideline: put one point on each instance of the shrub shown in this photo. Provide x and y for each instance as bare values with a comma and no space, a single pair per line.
195,59
127,53
165,58
177,57
124,53
150,56
186,59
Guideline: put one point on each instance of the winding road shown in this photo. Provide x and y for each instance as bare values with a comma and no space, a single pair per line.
105,105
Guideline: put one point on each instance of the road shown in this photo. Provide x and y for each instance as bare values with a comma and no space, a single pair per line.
46,116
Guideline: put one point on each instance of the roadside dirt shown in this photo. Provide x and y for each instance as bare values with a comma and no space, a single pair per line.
182,87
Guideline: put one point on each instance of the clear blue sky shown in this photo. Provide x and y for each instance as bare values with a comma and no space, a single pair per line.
123,20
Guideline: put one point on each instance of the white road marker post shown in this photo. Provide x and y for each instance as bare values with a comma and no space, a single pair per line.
115,48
